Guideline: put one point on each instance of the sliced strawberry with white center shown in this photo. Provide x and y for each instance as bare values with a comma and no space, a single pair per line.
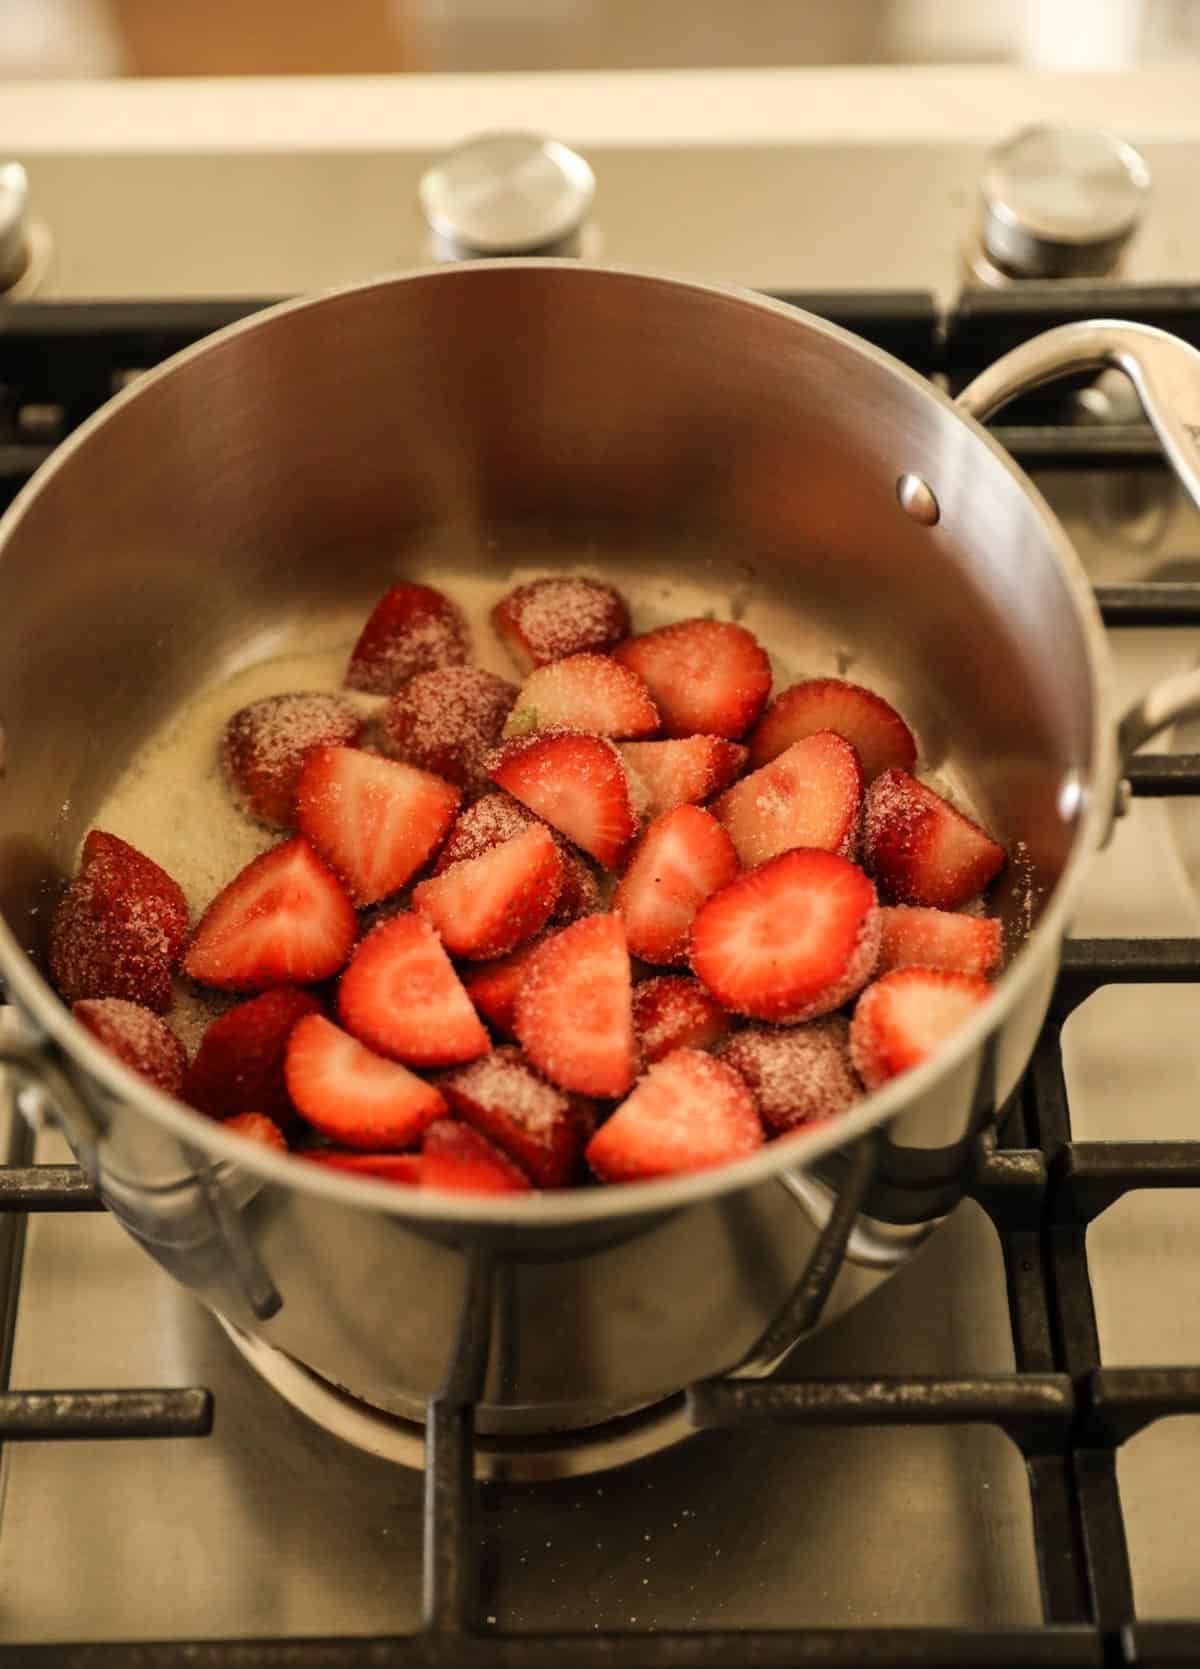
493,986
486,822
810,796
913,937
375,820
673,1012
456,1157
487,906
876,731
565,614
540,1126
920,849
284,920
401,996
798,1075
706,677
906,1016
684,771
688,1112
411,629
574,1010
684,856
592,693
791,940
264,746
579,784
384,1167
353,1096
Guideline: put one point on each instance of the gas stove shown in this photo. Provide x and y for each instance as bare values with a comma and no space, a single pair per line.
990,1460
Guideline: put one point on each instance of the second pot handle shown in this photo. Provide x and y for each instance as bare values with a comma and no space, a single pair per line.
1165,373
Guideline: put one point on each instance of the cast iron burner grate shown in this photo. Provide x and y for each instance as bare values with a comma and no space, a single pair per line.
1067,1413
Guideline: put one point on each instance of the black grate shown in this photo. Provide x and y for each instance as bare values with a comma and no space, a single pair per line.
1067,1414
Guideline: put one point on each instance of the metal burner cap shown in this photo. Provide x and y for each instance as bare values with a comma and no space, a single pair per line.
507,194
1061,202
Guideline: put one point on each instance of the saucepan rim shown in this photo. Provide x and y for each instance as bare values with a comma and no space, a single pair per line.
34,995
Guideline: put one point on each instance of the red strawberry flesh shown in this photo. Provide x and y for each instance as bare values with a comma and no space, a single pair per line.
456,1157
920,849
673,1011
445,721
138,1037
798,1075
906,1017
118,928
412,629
578,784
810,796
549,619
238,1067
353,1096
684,771
706,677
788,941
264,746
687,1113
401,997
487,906
875,729
591,693
384,1167
493,986
538,1125
574,1011
684,856
911,936
256,1127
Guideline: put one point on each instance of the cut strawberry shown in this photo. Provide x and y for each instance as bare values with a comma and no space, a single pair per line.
592,693
912,937
238,1067
906,1016
493,986
401,996
706,677
137,1036
579,784
412,629
876,731
283,920
684,856
791,940
546,620
579,894
374,821
384,1167
495,818
486,906
118,928
922,851
446,720
688,1112
257,1128
810,796
798,1075
574,1012
264,746
675,1012
456,1157
684,771
353,1096
539,1126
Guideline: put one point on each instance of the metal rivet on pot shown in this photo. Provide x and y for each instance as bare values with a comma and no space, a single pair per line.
917,499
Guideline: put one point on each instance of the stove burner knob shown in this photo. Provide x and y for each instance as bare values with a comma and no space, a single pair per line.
14,224
507,194
1059,203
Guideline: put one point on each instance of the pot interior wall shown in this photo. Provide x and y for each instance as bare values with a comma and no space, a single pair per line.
708,453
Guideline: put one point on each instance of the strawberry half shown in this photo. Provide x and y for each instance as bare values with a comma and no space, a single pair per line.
906,1016
706,677
456,1157
384,1167
548,619
137,1036
374,821
353,1096
688,1112
791,940
798,1075
685,771
257,1128
238,1067
283,920
264,746
922,851
874,729
592,693
493,986
579,784
495,818
539,1126
673,1012
912,937
118,928
683,857
486,906
810,796
445,721
401,996
411,629
574,1012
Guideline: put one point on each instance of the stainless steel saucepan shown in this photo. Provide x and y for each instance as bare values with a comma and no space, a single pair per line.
705,449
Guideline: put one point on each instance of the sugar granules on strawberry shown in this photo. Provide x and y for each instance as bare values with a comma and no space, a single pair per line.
412,628
797,1075
540,1126
136,1036
264,747
673,1011
549,619
445,721
119,927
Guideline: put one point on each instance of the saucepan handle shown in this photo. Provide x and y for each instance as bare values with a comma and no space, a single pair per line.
1165,372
